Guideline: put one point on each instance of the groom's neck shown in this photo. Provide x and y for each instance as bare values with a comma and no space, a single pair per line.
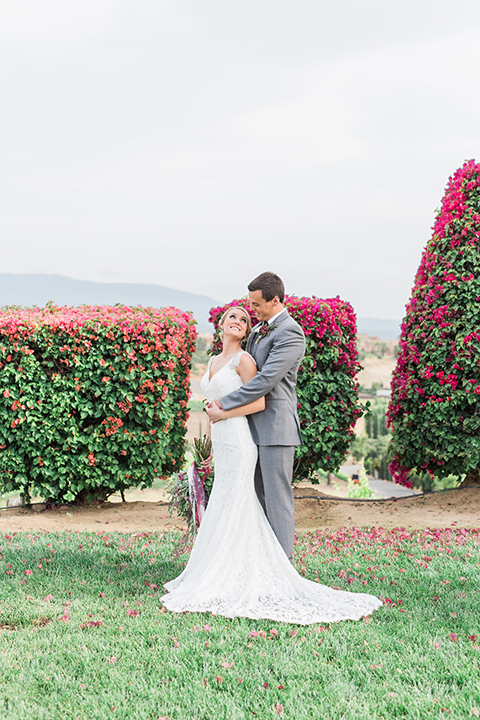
275,311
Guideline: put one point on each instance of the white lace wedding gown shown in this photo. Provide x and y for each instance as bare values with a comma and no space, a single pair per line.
237,566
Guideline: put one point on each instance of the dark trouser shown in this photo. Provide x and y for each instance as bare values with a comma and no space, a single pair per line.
273,485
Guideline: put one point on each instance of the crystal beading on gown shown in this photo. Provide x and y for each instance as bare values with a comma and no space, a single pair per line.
237,567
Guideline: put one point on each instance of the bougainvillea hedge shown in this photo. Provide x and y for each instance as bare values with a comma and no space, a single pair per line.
92,399
435,405
327,390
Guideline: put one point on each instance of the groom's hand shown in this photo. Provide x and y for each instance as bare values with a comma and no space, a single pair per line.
214,411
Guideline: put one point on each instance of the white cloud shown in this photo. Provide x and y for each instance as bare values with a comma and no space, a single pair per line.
57,21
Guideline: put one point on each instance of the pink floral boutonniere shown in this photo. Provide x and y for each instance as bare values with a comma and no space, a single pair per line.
264,331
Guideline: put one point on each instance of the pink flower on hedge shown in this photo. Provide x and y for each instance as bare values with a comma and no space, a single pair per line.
438,344
166,336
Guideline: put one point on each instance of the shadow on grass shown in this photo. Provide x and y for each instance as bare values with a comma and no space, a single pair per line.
82,564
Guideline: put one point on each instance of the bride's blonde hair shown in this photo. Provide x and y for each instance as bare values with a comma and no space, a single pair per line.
249,322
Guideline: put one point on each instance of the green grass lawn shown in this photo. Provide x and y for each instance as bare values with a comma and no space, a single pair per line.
84,635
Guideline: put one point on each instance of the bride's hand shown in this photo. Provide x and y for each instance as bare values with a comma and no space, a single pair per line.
214,411
206,463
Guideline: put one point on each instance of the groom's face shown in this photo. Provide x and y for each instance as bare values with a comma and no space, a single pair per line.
263,309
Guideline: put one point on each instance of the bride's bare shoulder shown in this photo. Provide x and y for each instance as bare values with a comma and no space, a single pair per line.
250,357
246,366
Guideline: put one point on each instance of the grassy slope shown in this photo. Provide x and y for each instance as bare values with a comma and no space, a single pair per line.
155,664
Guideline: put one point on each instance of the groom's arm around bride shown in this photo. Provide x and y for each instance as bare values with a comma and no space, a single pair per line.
278,345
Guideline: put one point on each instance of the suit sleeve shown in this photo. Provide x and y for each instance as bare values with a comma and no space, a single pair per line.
284,354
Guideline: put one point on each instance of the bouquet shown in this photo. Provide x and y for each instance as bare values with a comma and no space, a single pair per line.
190,489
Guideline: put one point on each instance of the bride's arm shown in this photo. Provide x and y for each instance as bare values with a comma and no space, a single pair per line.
249,409
208,461
247,370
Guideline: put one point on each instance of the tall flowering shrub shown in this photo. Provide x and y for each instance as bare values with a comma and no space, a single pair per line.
92,399
434,410
327,390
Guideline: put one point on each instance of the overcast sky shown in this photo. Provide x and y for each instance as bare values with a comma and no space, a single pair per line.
196,144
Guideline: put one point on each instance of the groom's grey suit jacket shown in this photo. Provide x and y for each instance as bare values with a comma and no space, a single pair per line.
278,356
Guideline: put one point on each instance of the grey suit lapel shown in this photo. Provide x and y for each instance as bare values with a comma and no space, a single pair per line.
251,345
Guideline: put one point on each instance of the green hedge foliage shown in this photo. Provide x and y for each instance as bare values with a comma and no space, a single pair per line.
93,400
435,405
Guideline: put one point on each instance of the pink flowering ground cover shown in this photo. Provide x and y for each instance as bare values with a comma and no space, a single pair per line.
328,406
93,400
83,632
435,405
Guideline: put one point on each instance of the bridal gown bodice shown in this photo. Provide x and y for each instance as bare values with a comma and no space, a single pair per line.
237,567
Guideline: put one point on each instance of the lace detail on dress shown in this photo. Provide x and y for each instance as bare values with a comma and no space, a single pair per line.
237,567
233,363
238,357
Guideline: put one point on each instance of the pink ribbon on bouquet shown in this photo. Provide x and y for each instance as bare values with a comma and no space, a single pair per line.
197,493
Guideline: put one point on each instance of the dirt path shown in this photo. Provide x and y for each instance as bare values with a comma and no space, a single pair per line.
454,508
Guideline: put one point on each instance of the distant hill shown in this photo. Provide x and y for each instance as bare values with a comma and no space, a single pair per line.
37,289
383,329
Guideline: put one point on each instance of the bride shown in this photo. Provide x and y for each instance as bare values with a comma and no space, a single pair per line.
237,567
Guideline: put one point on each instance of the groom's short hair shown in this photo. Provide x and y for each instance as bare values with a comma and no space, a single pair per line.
270,284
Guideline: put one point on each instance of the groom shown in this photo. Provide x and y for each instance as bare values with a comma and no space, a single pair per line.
277,344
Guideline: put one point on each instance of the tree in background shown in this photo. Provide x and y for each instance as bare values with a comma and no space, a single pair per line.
434,410
372,448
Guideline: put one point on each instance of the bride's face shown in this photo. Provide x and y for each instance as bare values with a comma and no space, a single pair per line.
235,324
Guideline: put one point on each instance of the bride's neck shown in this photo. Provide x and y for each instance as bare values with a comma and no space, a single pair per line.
231,346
